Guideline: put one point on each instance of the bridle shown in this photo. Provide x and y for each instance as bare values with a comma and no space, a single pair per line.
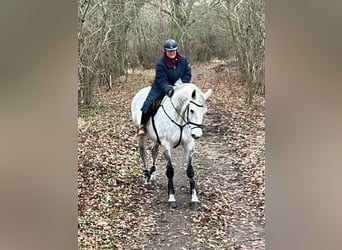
186,121
187,116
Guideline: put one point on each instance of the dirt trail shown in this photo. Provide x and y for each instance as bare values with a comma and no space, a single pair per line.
225,220
117,212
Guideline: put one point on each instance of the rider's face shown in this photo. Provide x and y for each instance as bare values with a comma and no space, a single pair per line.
171,54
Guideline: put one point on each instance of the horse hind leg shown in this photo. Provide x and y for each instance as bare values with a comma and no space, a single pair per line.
149,172
143,156
155,149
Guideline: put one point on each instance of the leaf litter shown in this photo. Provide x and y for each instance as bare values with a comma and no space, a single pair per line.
115,211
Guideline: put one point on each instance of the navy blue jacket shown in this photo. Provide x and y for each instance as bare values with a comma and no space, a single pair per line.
168,71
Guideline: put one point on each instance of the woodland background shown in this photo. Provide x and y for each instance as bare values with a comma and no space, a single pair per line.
119,44
117,35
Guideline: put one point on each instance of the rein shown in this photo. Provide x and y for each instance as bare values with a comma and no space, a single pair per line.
181,127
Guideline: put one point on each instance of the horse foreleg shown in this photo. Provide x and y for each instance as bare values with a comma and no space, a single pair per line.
190,173
170,174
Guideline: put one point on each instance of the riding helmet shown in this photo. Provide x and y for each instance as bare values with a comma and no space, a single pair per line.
170,44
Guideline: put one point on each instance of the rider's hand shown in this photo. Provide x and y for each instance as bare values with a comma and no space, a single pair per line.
169,93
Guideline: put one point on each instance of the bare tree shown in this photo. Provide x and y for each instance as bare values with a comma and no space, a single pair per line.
246,21
103,31
116,34
177,14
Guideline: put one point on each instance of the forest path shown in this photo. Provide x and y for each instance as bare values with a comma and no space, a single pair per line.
117,212
225,220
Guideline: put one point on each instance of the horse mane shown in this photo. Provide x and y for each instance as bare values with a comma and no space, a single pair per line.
184,94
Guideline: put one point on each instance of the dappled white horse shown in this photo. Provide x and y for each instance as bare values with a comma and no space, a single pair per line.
178,121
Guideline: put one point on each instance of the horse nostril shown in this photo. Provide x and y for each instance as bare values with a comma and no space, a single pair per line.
195,136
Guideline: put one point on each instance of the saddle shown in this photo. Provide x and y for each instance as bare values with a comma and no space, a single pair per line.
152,110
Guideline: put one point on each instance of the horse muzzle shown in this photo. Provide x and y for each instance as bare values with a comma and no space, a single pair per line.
197,133
196,130
195,136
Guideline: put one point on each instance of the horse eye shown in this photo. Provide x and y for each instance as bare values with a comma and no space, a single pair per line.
192,111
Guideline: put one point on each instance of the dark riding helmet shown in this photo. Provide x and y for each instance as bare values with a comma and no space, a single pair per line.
170,44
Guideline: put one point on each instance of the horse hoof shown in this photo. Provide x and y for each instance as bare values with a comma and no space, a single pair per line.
172,204
149,186
195,204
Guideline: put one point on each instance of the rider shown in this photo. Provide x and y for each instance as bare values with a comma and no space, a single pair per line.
170,67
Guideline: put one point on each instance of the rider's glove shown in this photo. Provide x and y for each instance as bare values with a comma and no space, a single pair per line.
169,93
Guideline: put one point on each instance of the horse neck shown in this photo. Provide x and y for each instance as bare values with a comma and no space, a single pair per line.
177,108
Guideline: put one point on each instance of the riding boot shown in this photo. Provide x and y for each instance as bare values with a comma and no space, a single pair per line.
142,130
144,118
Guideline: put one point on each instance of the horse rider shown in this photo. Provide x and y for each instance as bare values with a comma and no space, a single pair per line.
169,68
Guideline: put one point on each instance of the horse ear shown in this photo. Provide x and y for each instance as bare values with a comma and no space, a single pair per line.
178,82
207,94
193,95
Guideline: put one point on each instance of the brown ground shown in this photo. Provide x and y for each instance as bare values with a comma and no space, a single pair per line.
117,212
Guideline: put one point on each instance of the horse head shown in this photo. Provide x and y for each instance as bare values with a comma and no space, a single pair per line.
192,106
